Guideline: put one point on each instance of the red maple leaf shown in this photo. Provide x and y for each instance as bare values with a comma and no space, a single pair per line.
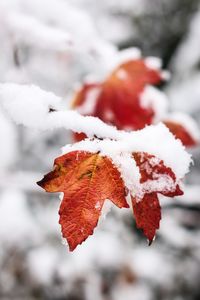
87,180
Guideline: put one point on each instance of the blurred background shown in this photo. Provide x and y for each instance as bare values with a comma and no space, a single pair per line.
56,44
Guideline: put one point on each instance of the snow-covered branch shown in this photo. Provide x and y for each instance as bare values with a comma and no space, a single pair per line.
33,107
36,108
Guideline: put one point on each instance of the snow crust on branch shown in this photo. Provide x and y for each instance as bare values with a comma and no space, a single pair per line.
36,108
30,106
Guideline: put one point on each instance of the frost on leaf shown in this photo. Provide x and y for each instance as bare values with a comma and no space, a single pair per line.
87,180
155,178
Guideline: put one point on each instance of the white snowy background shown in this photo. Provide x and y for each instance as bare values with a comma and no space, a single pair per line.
56,44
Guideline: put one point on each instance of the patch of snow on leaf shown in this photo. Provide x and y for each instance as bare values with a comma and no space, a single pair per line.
163,183
153,62
125,55
88,107
170,150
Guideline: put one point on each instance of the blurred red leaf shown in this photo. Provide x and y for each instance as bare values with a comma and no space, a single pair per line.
139,73
118,102
181,133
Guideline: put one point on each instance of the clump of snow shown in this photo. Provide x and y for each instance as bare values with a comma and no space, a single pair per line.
125,55
152,97
171,151
166,75
153,62
157,140
92,126
163,183
129,172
